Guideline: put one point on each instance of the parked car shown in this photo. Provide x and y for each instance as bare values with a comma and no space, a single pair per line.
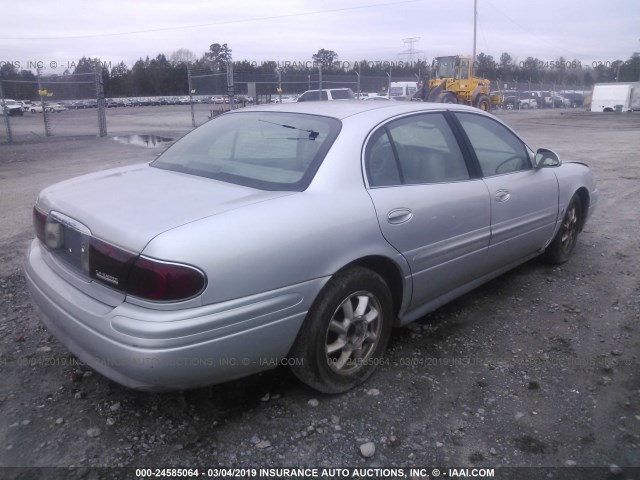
12,108
49,107
542,98
327,94
55,107
299,232
25,104
512,100
577,99
560,101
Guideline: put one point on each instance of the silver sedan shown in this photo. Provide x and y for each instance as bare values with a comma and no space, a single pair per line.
295,234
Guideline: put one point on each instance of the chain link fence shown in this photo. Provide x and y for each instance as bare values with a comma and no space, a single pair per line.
49,101
35,108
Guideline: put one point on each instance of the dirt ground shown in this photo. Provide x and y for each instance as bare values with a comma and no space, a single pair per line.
538,368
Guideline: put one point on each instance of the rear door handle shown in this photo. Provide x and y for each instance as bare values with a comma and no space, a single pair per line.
399,215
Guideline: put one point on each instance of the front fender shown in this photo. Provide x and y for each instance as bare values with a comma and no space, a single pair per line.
576,177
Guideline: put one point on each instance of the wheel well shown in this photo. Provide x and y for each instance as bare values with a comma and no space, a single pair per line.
391,274
583,194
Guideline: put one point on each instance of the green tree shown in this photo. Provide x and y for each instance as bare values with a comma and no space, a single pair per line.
86,65
506,67
486,67
325,58
630,70
530,70
182,55
219,55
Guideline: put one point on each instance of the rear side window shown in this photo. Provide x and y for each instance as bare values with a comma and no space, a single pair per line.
498,149
342,94
313,95
418,149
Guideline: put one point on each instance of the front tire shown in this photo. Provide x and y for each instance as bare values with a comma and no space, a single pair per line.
483,103
446,98
562,245
345,334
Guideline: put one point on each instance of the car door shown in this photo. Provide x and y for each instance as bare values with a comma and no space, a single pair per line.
524,200
428,206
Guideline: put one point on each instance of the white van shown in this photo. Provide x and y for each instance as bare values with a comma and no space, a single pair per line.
402,90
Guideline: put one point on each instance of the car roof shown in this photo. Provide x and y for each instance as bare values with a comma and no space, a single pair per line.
347,108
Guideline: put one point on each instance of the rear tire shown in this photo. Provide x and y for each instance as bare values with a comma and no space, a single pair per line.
345,333
509,105
562,245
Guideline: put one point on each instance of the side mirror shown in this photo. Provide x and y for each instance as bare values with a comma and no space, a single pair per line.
546,158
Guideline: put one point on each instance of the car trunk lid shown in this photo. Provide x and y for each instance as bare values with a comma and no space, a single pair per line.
129,206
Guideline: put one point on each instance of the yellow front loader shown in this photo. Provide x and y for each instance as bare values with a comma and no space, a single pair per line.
453,82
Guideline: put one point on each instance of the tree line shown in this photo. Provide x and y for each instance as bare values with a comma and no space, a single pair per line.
167,75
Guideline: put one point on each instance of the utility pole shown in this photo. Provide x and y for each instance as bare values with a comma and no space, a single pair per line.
475,22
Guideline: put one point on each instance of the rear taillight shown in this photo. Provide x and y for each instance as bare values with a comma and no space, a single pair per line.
143,277
125,271
110,265
39,222
48,230
164,281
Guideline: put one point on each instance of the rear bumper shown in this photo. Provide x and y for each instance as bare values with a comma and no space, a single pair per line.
169,349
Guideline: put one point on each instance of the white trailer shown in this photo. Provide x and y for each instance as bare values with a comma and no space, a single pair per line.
611,97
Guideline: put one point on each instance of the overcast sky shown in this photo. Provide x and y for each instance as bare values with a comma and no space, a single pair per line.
61,32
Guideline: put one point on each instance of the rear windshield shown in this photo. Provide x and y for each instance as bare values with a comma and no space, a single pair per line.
265,150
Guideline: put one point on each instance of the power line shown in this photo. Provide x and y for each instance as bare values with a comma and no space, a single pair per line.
201,25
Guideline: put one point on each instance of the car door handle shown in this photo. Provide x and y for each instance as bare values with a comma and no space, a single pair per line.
502,196
399,215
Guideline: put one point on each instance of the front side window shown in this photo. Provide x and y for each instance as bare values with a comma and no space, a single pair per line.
269,151
418,149
497,148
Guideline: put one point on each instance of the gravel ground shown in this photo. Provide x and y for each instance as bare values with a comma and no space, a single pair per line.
538,368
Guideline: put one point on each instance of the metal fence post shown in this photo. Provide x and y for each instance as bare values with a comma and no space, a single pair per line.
45,114
279,70
102,114
320,81
230,85
5,114
193,116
